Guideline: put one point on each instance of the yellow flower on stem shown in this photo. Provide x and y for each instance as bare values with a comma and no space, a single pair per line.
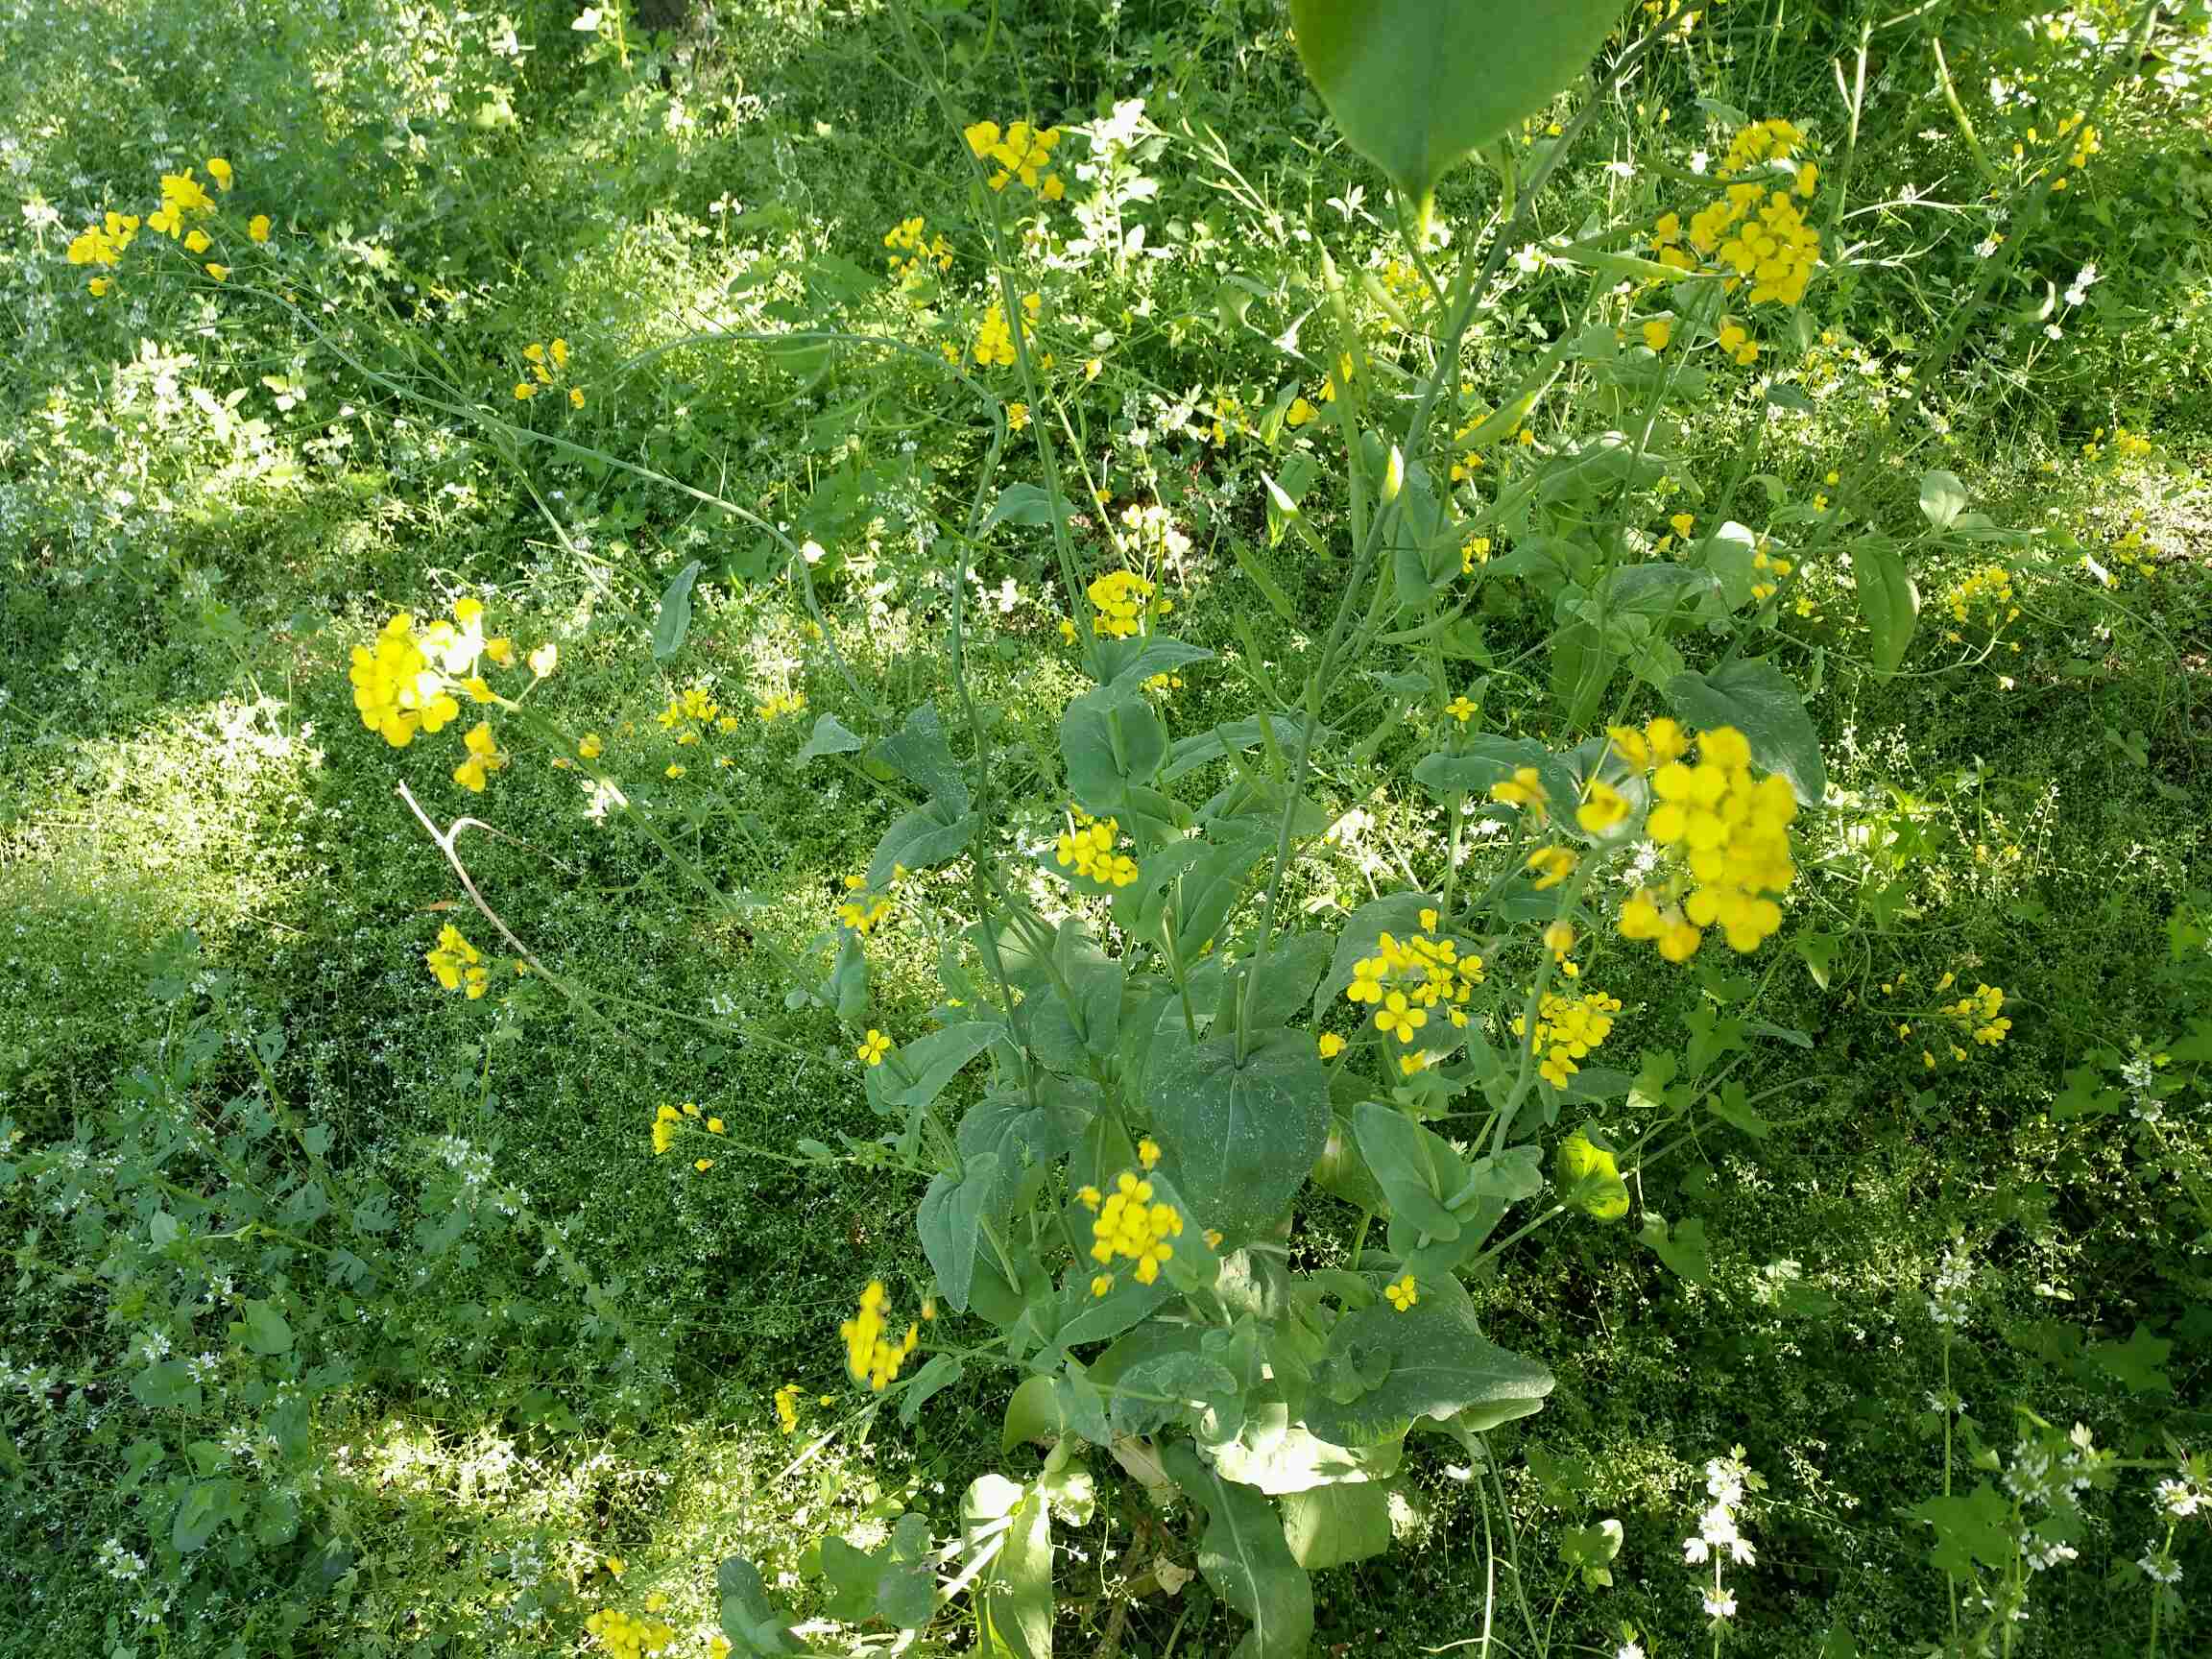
1403,1293
874,1046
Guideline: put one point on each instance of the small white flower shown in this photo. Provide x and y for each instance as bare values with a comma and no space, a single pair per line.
1629,1650
1719,1604
2178,1498
2160,1569
1696,1552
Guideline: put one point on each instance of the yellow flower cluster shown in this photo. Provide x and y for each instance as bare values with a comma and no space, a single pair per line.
546,362
787,1400
1087,846
1022,152
1403,1293
458,963
668,1123
1403,981
1990,585
183,200
1771,570
1726,834
862,912
1123,602
1130,1227
781,704
1526,790
870,1359
404,683
628,1637
994,341
1753,234
911,248
1979,1014
689,715
1567,1029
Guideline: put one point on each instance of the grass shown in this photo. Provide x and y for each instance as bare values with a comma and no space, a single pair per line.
560,1348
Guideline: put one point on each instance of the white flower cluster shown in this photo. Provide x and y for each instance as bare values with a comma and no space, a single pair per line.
1954,1283
1719,1537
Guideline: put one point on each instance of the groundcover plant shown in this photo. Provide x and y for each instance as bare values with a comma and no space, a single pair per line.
1370,825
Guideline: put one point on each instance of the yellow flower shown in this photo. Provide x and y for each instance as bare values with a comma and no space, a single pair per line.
197,242
1658,331
218,170
616,1565
1132,1226
714,1126
1552,865
534,352
590,746
874,1046
703,1165
1017,416
484,756
220,273
868,1355
458,963
1602,809
676,769
1400,1018
1461,708
525,391
1524,789
575,397
1148,1152
1331,1045
258,228
99,285
1402,1293
1683,523
561,353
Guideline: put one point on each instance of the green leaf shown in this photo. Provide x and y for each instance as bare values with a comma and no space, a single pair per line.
1278,1455
1330,1525
1130,662
168,1383
1683,1250
1942,497
205,1508
1203,748
1590,1180
1888,600
1764,703
1021,504
830,737
1112,740
1969,1527
265,1331
1280,507
1182,1389
919,753
1418,84
951,1223
938,1375
1021,1137
1440,1365
1033,1413
1582,666
674,621
1013,1597
1483,760
752,1626
1246,1558
936,1059
848,980
1400,1154
921,840
1239,1136
2139,1363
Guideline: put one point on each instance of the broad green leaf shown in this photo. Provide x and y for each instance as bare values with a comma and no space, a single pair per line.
848,980
950,1222
1683,1249
1764,703
1033,1413
1202,748
1888,600
1398,1151
165,1384
1485,758
1239,1134
1182,1389
1970,1527
1330,1525
1278,1456
830,737
674,621
921,840
1246,1558
1112,742
1590,1180
940,1374
752,1626
1440,1365
919,753
1014,1595
936,1059
1942,497
2139,1363
265,1331
1021,1137
1418,84
1130,662
205,1508
1021,504
1582,666
1085,1317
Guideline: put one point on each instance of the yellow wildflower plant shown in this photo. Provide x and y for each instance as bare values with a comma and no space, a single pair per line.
994,339
1131,1227
1087,846
869,1356
1754,234
1021,152
1568,1028
458,963
1724,840
913,248
1404,982
625,1637
1125,603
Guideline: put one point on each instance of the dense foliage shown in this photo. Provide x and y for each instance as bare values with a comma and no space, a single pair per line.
990,826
